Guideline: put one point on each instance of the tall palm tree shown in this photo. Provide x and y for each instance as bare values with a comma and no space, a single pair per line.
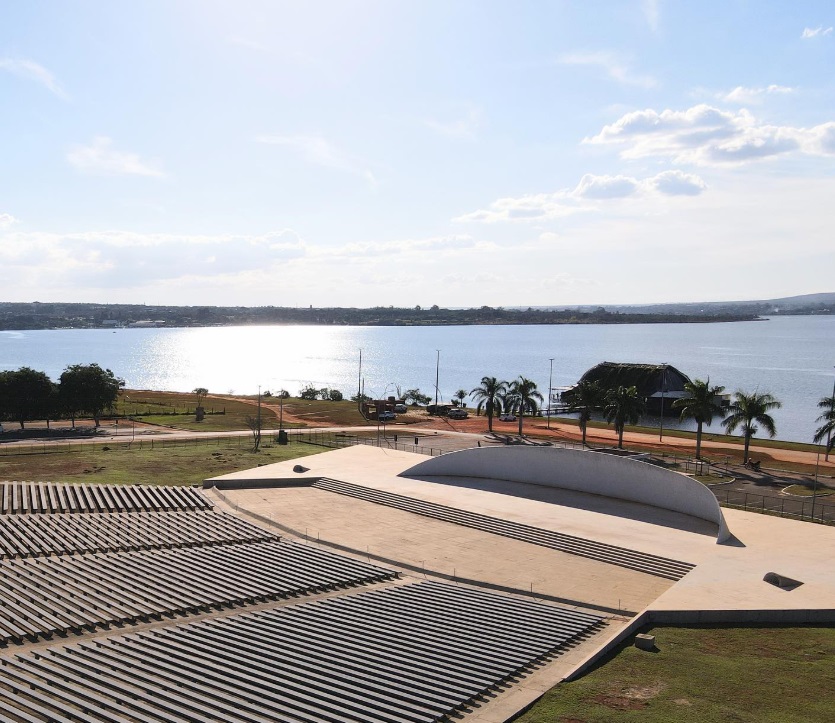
828,427
623,406
489,397
460,395
586,397
700,405
748,410
524,397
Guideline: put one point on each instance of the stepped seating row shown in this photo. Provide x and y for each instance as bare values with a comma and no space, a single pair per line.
45,595
406,654
47,497
602,552
60,534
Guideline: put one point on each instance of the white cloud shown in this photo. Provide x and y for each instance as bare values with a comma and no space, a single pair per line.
652,13
590,194
31,70
819,31
101,158
115,259
613,66
704,135
321,152
743,95
464,127
6,221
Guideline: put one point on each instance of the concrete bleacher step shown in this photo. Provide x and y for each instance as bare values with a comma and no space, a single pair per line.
26,498
41,596
391,655
570,544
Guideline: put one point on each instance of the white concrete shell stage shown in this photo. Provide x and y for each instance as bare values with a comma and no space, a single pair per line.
606,501
726,584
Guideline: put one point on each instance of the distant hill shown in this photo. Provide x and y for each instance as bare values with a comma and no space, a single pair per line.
805,304
54,315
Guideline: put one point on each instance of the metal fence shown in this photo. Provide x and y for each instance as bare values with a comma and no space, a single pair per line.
800,508
337,440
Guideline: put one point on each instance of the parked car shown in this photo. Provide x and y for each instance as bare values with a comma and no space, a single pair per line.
386,417
507,417
400,408
457,413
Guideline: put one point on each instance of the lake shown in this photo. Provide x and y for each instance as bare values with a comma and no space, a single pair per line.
790,357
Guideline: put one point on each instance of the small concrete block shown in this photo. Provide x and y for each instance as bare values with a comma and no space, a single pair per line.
645,642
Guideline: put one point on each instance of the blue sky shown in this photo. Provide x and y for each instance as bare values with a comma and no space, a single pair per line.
403,153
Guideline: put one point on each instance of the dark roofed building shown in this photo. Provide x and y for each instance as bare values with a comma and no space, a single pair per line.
651,380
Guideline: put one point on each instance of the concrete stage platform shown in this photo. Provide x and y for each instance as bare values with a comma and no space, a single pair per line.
724,585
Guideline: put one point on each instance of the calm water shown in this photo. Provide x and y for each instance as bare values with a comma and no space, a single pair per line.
791,357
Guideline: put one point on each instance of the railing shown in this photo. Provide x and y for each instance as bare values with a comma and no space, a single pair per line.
800,508
338,440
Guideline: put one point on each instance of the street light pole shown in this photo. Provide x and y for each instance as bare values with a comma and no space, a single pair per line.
437,372
550,387
663,388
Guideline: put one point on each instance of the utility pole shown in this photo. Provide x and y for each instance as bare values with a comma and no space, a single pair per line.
663,389
437,371
550,387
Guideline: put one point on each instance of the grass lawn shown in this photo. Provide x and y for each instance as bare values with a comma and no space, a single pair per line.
176,410
761,675
186,463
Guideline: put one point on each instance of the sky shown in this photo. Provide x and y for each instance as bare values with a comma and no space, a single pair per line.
402,153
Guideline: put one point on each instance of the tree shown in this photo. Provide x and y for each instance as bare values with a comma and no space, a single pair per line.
415,397
88,389
586,397
488,395
523,396
623,406
700,405
309,392
335,395
828,427
200,394
25,395
460,395
254,425
748,410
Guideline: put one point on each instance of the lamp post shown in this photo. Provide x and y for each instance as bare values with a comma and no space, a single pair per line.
437,372
550,387
815,488
663,389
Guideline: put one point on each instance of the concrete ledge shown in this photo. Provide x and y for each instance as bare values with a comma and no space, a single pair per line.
221,483
601,474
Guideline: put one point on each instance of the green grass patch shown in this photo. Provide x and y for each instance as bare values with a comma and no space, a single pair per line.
804,491
172,463
177,410
715,674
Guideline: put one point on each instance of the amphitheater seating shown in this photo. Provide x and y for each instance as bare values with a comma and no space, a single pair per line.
48,497
24,535
611,554
45,595
413,653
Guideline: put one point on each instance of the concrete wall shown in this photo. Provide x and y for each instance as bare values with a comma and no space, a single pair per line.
595,473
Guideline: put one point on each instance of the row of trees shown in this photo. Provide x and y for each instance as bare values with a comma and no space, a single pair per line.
83,389
748,412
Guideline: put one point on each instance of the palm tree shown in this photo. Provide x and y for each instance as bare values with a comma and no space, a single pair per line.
700,405
489,395
586,397
828,427
623,406
460,395
745,410
523,397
